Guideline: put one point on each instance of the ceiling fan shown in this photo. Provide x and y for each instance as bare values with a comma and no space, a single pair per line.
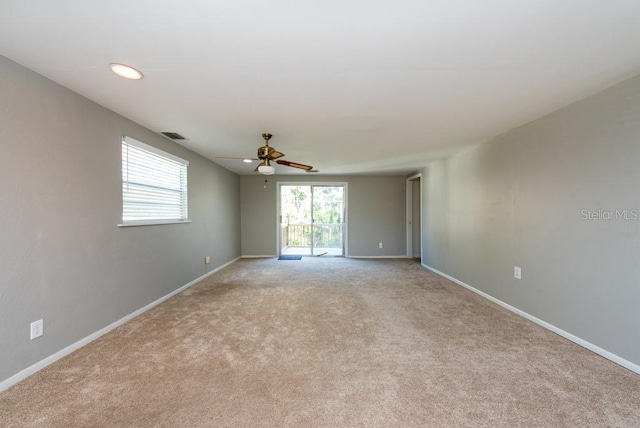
266,154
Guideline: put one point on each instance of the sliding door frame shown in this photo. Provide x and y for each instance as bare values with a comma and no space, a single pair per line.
409,213
344,185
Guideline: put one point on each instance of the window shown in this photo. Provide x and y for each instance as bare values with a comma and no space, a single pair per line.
154,185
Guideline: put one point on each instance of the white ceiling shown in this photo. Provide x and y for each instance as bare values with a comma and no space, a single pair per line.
347,86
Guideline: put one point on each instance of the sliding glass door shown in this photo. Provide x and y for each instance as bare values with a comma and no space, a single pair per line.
327,230
312,219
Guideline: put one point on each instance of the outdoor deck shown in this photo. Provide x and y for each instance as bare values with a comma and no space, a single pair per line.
306,251
295,239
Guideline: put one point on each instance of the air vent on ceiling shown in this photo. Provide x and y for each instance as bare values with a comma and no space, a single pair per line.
173,135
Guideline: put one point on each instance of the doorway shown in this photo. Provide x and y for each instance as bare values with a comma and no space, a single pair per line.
414,217
311,219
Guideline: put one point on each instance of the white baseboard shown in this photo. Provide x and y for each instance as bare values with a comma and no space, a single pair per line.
85,341
588,345
377,257
266,256
309,255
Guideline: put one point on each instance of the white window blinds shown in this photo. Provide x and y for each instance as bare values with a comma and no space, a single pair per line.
154,185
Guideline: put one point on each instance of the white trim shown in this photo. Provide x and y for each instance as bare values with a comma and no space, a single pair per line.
344,184
23,374
152,223
278,220
250,256
377,257
345,223
575,339
409,214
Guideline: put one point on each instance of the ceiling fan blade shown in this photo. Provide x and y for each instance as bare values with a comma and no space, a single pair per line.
274,154
294,164
231,157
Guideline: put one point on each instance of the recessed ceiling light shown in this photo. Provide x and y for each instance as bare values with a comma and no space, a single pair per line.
126,71
247,160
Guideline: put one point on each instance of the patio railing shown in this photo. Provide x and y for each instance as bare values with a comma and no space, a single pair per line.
324,235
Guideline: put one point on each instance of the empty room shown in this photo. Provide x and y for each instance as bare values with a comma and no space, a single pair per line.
329,214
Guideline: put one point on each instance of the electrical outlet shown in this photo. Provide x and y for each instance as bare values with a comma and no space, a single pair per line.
380,244
37,329
207,259
517,272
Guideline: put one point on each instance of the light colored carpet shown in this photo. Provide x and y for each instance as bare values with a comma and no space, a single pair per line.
327,342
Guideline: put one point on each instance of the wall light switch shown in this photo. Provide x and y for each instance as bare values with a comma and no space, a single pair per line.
207,259
517,272
380,244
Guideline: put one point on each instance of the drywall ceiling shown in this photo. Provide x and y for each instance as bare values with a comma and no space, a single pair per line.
347,86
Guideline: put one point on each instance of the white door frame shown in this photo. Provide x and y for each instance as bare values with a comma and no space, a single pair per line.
345,185
410,203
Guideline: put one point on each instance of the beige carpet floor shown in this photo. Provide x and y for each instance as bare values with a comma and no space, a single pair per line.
326,342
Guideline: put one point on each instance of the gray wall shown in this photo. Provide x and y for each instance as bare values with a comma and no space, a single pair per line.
518,200
62,256
376,208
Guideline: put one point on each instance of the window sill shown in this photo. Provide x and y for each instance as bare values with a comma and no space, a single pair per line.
152,223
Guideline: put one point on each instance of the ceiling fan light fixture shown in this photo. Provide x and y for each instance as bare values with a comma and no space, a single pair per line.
266,155
266,169
126,71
